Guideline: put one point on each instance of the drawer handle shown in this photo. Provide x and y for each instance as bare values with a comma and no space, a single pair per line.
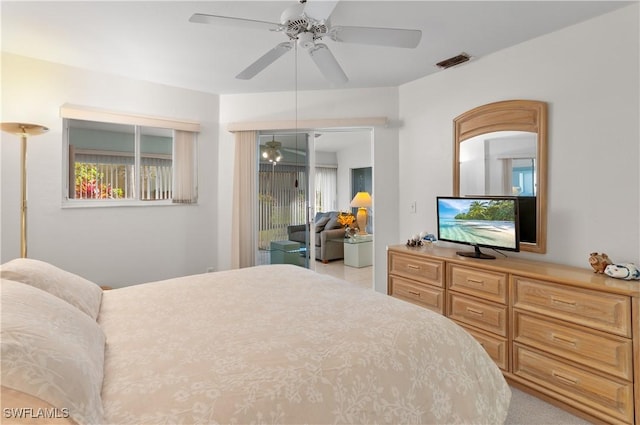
564,339
474,311
566,379
413,267
417,294
571,303
476,281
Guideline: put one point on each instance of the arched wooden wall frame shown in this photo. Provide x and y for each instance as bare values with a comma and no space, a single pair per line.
510,115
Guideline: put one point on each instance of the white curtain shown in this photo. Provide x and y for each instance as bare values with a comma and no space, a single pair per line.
185,186
326,189
243,232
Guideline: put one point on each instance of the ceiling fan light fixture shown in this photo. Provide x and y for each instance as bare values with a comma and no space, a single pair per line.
271,151
272,155
305,40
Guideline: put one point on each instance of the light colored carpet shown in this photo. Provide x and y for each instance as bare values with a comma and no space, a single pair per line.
526,409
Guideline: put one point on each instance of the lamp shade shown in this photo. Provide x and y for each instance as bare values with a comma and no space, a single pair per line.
361,200
23,128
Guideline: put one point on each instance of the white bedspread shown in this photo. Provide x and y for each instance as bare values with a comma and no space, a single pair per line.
282,344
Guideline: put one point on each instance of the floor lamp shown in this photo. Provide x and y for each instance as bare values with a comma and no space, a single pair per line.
23,130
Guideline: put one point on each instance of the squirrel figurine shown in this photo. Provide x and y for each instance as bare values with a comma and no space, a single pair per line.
599,262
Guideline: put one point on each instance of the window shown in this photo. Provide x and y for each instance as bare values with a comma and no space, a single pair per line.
111,162
326,189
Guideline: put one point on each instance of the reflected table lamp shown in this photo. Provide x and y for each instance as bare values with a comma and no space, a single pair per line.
362,201
23,130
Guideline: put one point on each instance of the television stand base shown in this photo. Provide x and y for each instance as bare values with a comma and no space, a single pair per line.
476,254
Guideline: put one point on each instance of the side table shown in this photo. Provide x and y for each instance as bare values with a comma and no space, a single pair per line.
358,251
286,252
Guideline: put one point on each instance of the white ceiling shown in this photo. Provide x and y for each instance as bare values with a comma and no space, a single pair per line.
154,41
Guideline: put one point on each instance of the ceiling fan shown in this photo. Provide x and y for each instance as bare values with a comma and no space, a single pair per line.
306,24
271,151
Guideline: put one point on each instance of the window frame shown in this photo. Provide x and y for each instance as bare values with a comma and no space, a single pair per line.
138,122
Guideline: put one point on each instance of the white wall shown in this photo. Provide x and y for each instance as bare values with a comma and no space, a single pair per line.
589,75
320,105
358,155
111,246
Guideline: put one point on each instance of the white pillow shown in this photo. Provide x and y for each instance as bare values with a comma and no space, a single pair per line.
51,351
77,291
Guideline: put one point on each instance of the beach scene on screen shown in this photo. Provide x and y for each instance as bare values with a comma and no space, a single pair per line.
478,221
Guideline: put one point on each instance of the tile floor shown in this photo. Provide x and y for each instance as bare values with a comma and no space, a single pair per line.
362,275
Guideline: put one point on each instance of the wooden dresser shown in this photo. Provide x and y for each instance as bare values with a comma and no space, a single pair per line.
565,334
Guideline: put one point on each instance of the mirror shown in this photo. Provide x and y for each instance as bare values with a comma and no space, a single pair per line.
501,149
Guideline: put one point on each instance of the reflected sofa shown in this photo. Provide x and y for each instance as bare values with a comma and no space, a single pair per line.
329,236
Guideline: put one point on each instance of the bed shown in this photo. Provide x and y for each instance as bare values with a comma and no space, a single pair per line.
266,344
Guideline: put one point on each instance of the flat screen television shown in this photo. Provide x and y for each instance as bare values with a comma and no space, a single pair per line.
482,222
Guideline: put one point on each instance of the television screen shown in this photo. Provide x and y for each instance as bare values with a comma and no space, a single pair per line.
480,222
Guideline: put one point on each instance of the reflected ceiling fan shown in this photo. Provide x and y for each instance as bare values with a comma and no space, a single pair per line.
272,151
307,24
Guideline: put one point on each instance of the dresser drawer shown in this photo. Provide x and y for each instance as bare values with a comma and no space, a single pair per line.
488,285
490,317
418,268
494,346
607,353
417,293
607,395
598,310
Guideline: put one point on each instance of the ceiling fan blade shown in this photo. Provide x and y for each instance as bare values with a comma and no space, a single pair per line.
327,64
294,151
320,10
393,37
264,61
203,18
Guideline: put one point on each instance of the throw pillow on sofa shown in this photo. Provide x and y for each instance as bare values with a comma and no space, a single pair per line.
333,224
321,224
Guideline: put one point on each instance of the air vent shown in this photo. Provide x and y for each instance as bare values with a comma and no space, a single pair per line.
456,60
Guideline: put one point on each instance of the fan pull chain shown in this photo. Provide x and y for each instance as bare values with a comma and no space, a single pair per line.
295,72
